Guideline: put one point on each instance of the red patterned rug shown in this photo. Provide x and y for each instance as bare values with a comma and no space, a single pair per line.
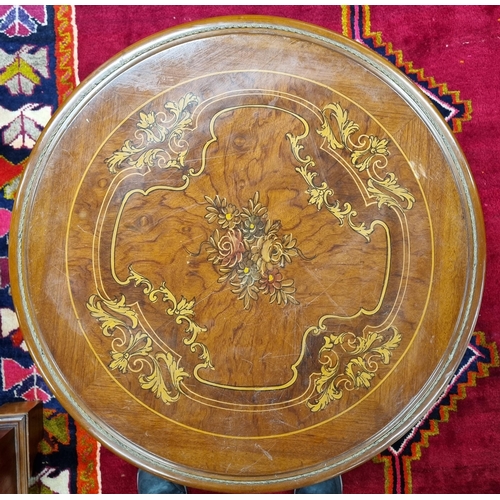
450,52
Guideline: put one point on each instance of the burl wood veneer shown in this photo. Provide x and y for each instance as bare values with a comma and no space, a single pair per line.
247,254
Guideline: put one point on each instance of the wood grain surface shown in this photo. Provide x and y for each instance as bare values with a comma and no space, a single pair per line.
247,254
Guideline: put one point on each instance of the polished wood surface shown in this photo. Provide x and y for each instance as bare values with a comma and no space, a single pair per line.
247,254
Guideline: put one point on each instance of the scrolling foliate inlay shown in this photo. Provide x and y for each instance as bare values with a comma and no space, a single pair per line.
159,142
368,153
364,353
182,309
158,128
131,349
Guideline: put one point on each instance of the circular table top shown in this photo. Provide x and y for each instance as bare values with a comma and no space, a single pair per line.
247,254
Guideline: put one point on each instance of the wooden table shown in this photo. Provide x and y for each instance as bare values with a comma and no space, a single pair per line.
247,254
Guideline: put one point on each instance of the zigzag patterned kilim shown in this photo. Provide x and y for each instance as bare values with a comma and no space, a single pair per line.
36,74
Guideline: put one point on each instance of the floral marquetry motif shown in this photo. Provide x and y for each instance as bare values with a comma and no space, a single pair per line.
250,251
265,257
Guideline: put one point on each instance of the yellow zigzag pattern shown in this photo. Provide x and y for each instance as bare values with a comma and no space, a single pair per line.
444,413
65,47
408,66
